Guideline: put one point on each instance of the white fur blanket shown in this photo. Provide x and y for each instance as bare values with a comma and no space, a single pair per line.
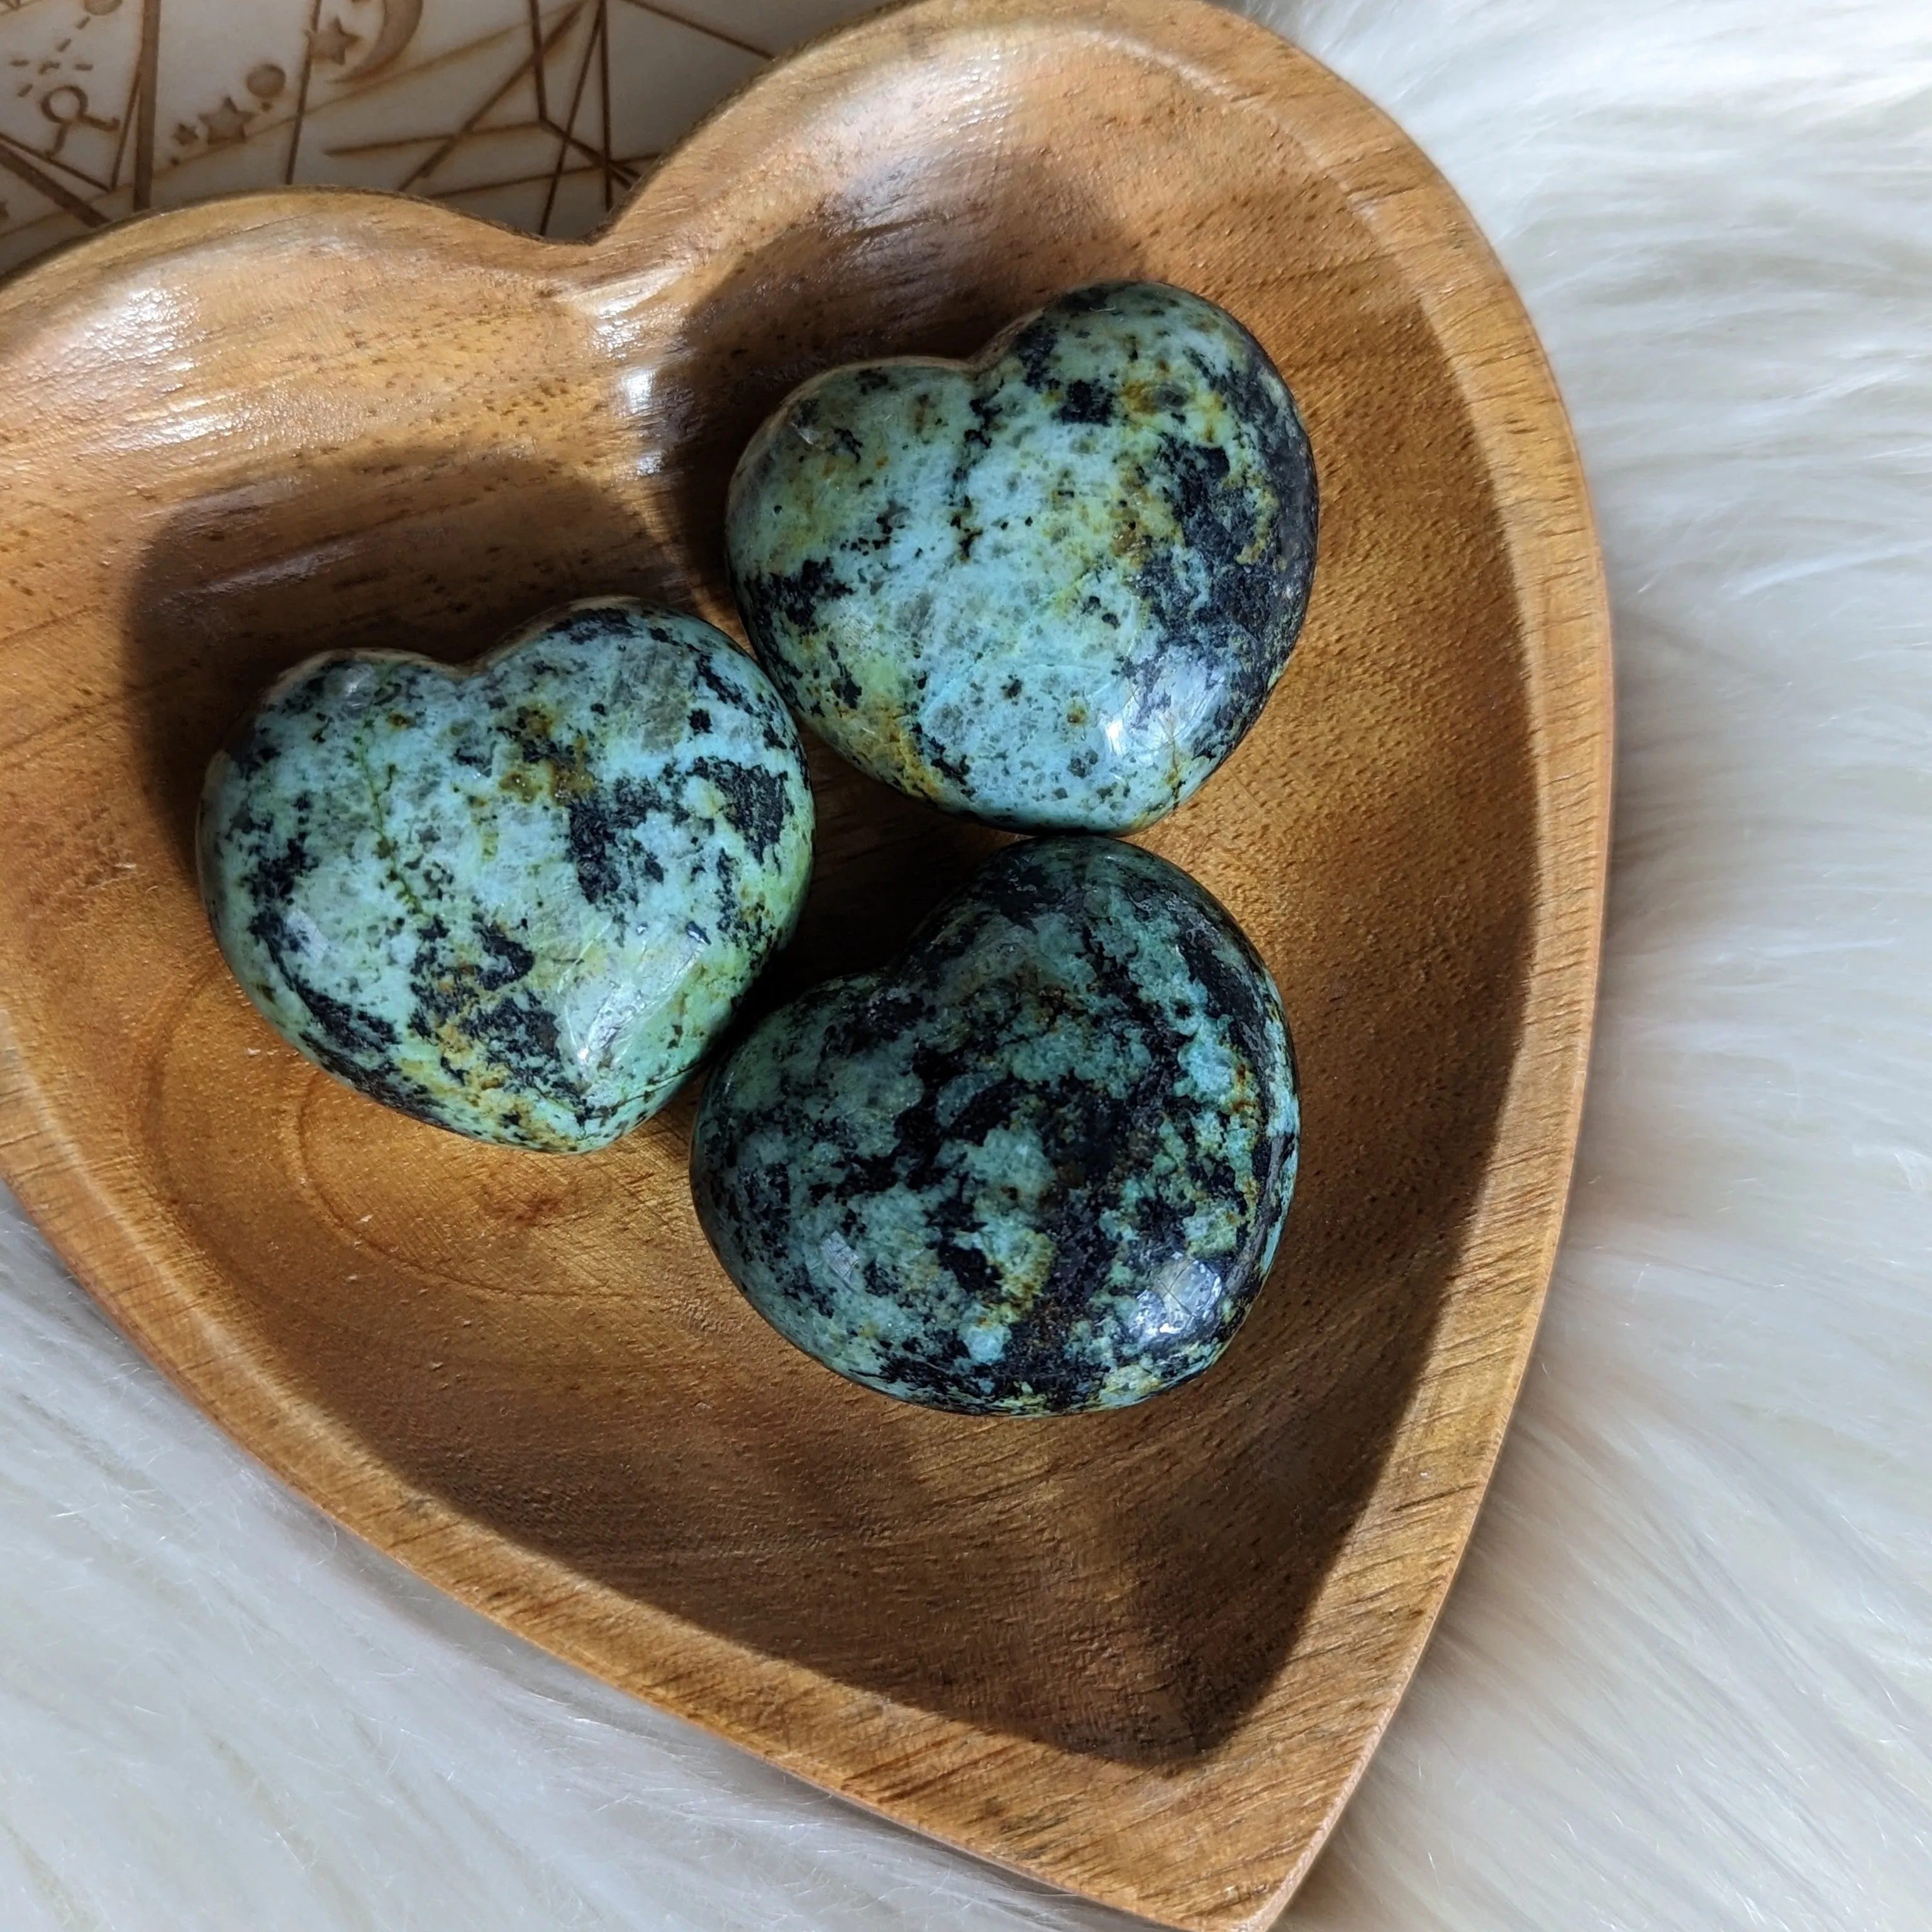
1685,1680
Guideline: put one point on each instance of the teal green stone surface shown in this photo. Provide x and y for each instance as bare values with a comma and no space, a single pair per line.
1039,1166
1051,588
519,900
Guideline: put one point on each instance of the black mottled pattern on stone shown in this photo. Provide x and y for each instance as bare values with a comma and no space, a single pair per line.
1051,588
1039,1167
519,901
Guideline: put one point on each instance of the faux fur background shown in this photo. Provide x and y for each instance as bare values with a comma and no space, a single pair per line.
1685,1680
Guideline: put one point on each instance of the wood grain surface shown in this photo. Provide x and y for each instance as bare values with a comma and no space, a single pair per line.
541,113
1142,1655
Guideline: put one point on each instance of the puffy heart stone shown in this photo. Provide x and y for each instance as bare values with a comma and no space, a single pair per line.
519,900
1051,588
1039,1166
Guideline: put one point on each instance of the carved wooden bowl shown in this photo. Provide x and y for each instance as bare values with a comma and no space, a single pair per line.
1145,1654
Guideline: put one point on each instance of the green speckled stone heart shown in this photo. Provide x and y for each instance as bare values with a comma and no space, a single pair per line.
1051,588
1040,1166
519,900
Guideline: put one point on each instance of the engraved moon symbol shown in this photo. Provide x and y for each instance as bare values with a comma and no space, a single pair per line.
400,19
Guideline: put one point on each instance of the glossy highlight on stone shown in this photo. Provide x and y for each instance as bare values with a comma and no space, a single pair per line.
519,899
1051,588
1039,1166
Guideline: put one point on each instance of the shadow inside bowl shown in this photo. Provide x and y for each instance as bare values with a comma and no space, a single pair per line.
408,551
546,1345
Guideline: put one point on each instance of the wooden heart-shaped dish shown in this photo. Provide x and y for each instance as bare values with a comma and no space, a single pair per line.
1145,1654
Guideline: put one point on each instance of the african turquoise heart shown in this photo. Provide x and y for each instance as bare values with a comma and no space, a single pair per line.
1040,1166
519,901
1051,588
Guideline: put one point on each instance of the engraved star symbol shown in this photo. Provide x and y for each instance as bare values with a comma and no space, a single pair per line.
332,43
227,123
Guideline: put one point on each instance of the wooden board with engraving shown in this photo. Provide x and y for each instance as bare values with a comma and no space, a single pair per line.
1143,1655
542,113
